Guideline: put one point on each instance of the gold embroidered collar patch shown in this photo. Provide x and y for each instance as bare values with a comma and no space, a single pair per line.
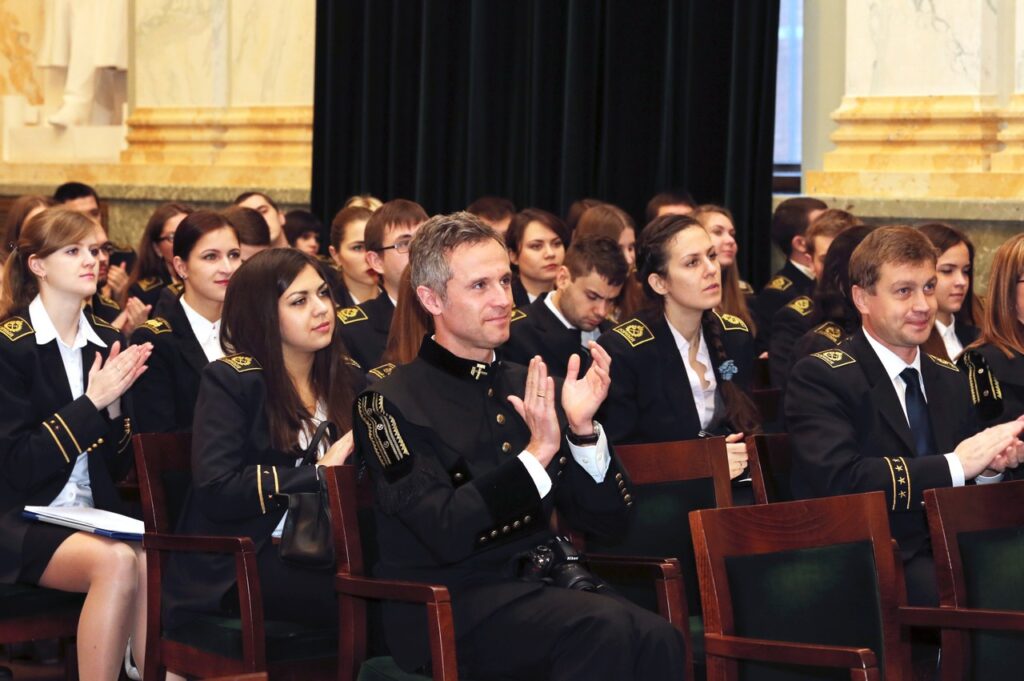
16,328
834,358
109,302
517,314
944,363
829,330
779,283
802,305
383,371
157,325
149,283
731,322
635,332
351,315
242,363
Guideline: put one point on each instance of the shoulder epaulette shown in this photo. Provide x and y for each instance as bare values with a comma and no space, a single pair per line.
177,287
944,363
745,288
351,315
352,363
149,283
731,322
99,321
109,302
242,363
830,330
157,325
16,328
779,283
383,371
517,314
834,358
802,305
635,332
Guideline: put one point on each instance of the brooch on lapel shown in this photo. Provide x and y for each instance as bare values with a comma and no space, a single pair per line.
728,369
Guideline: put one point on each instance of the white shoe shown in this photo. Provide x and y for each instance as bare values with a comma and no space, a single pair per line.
129,664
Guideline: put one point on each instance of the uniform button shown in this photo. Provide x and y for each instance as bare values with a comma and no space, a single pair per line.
483,540
100,441
527,519
623,491
629,503
563,460
506,529
517,524
622,483
981,371
458,477
618,476
494,533
500,418
490,392
985,393
506,447
628,498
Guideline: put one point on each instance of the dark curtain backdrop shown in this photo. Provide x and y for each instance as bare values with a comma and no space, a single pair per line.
547,101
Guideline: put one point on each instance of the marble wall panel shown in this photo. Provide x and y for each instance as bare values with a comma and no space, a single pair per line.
181,53
272,52
923,47
21,33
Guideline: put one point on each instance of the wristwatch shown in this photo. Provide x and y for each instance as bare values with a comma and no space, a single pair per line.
584,440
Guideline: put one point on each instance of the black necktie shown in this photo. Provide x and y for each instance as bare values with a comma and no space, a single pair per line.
917,414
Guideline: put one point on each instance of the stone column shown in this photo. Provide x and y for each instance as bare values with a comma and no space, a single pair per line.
224,84
920,115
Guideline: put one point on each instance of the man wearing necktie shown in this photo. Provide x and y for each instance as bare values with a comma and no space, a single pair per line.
564,322
880,414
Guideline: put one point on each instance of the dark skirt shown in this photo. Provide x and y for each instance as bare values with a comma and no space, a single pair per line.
40,543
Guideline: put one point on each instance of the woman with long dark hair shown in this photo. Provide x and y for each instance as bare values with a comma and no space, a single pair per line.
994,363
187,336
959,312
356,282
257,410
63,438
679,369
154,268
536,242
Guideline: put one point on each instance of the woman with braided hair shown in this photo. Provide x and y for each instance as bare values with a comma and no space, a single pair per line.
679,369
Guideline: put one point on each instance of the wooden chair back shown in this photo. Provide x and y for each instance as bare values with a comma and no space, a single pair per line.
770,467
822,571
977,536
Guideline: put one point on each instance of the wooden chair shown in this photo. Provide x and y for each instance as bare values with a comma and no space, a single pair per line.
978,542
816,583
213,645
770,466
352,523
669,479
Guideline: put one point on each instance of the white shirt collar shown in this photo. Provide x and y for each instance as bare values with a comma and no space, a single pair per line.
202,327
808,272
944,330
558,313
891,362
46,331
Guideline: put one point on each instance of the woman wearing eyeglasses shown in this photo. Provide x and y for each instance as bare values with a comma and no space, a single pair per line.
995,362
206,254
155,267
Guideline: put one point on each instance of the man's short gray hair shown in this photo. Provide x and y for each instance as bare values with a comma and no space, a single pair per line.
434,243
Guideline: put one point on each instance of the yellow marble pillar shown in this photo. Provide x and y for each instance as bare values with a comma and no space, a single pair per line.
921,116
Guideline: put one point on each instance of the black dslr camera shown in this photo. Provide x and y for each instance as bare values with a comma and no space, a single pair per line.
558,563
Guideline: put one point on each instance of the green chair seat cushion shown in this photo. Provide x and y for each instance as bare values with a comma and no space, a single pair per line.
385,669
284,640
23,600
697,638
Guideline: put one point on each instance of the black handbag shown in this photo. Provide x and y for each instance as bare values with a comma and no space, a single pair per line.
306,539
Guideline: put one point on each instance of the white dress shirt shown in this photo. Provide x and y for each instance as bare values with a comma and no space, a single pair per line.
948,334
703,398
894,365
77,491
205,331
319,417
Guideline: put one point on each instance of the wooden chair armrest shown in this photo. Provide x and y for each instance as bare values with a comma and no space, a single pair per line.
785,652
192,544
391,590
635,567
947,617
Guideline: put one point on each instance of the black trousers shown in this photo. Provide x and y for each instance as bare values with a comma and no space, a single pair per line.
296,594
561,634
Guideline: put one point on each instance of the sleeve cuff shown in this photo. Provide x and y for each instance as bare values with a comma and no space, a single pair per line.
594,459
537,473
988,479
956,470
